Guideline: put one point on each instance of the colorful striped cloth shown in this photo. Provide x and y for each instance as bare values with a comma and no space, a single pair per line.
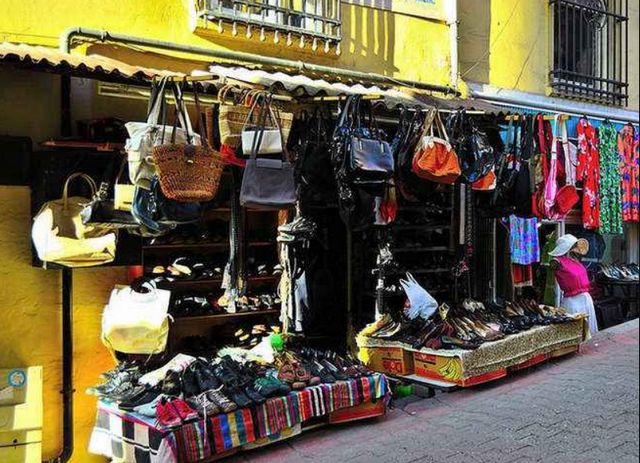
118,434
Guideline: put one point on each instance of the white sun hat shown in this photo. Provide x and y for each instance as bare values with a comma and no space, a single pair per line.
563,245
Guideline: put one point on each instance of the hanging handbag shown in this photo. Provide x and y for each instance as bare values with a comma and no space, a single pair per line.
267,183
101,210
136,322
369,158
523,188
266,137
313,167
60,237
474,151
143,136
559,201
502,203
158,215
487,182
188,172
412,187
235,114
435,158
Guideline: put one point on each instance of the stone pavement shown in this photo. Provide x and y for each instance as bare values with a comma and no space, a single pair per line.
582,408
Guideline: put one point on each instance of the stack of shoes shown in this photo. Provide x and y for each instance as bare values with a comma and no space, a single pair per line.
619,272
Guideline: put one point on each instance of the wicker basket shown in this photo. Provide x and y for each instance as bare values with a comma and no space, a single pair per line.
233,118
188,173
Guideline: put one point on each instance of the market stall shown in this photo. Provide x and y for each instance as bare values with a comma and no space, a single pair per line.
265,226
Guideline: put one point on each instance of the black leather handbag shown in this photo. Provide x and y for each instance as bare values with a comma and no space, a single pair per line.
156,214
472,146
313,166
267,183
100,211
368,157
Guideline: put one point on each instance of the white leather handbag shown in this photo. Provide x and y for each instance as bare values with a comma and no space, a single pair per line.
143,136
265,137
60,237
136,322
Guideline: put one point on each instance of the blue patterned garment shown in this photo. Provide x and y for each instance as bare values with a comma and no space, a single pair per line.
523,240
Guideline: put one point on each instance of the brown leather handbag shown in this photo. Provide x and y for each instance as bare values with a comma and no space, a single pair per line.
434,158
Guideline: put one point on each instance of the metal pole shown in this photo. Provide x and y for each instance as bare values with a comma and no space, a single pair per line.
67,365
67,36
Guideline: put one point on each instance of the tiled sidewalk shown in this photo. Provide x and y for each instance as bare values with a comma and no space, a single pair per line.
582,408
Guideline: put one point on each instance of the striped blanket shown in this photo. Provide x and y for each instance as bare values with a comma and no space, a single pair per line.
134,438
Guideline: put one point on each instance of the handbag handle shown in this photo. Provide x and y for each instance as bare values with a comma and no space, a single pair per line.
156,101
65,189
344,114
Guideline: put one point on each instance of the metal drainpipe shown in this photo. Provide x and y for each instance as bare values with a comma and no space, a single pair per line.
67,366
105,36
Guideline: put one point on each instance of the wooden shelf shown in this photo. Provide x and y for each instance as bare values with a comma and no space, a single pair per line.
422,249
222,245
424,227
223,317
420,271
214,283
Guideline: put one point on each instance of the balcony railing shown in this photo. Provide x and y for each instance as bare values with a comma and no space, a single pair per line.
292,20
590,46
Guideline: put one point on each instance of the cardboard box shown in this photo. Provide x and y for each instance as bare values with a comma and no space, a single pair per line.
390,360
359,412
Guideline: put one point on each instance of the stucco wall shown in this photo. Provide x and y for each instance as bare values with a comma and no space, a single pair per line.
30,298
405,45
507,44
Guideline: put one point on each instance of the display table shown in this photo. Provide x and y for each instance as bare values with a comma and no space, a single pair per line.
130,437
492,360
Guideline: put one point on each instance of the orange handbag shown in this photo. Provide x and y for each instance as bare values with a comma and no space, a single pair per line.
434,158
486,183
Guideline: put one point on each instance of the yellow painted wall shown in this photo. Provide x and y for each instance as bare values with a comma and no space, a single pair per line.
388,42
30,298
382,41
506,43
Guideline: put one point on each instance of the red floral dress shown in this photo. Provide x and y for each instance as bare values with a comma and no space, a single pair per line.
588,171
630,167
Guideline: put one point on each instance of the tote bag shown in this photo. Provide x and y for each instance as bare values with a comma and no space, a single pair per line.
144,136
135,322
60,237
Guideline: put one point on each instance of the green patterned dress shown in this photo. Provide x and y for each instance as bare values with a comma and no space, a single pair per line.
610,181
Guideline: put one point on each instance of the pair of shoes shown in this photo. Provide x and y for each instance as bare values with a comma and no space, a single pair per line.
172,412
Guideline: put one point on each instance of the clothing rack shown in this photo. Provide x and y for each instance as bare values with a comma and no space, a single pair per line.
516,117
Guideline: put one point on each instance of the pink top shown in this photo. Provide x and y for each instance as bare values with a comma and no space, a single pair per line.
571,276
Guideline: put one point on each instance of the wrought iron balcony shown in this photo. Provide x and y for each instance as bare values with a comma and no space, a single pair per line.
590,46
295,21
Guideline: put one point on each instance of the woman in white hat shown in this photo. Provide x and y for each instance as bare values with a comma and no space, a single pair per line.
572,277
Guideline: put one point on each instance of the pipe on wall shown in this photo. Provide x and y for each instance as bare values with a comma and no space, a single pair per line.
105,36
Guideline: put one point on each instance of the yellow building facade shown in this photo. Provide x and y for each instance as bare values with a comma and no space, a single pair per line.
502,43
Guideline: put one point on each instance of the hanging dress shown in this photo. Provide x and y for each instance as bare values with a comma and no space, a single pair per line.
610,181
630,167
588,171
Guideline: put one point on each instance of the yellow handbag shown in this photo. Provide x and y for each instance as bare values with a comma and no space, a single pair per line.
60,237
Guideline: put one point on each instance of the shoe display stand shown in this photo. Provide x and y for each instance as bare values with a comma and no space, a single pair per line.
130,437
257,233
450,369
421,241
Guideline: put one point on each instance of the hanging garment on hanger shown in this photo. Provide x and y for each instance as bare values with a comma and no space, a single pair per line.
610,181
523,240
588,172
521,275
630,159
